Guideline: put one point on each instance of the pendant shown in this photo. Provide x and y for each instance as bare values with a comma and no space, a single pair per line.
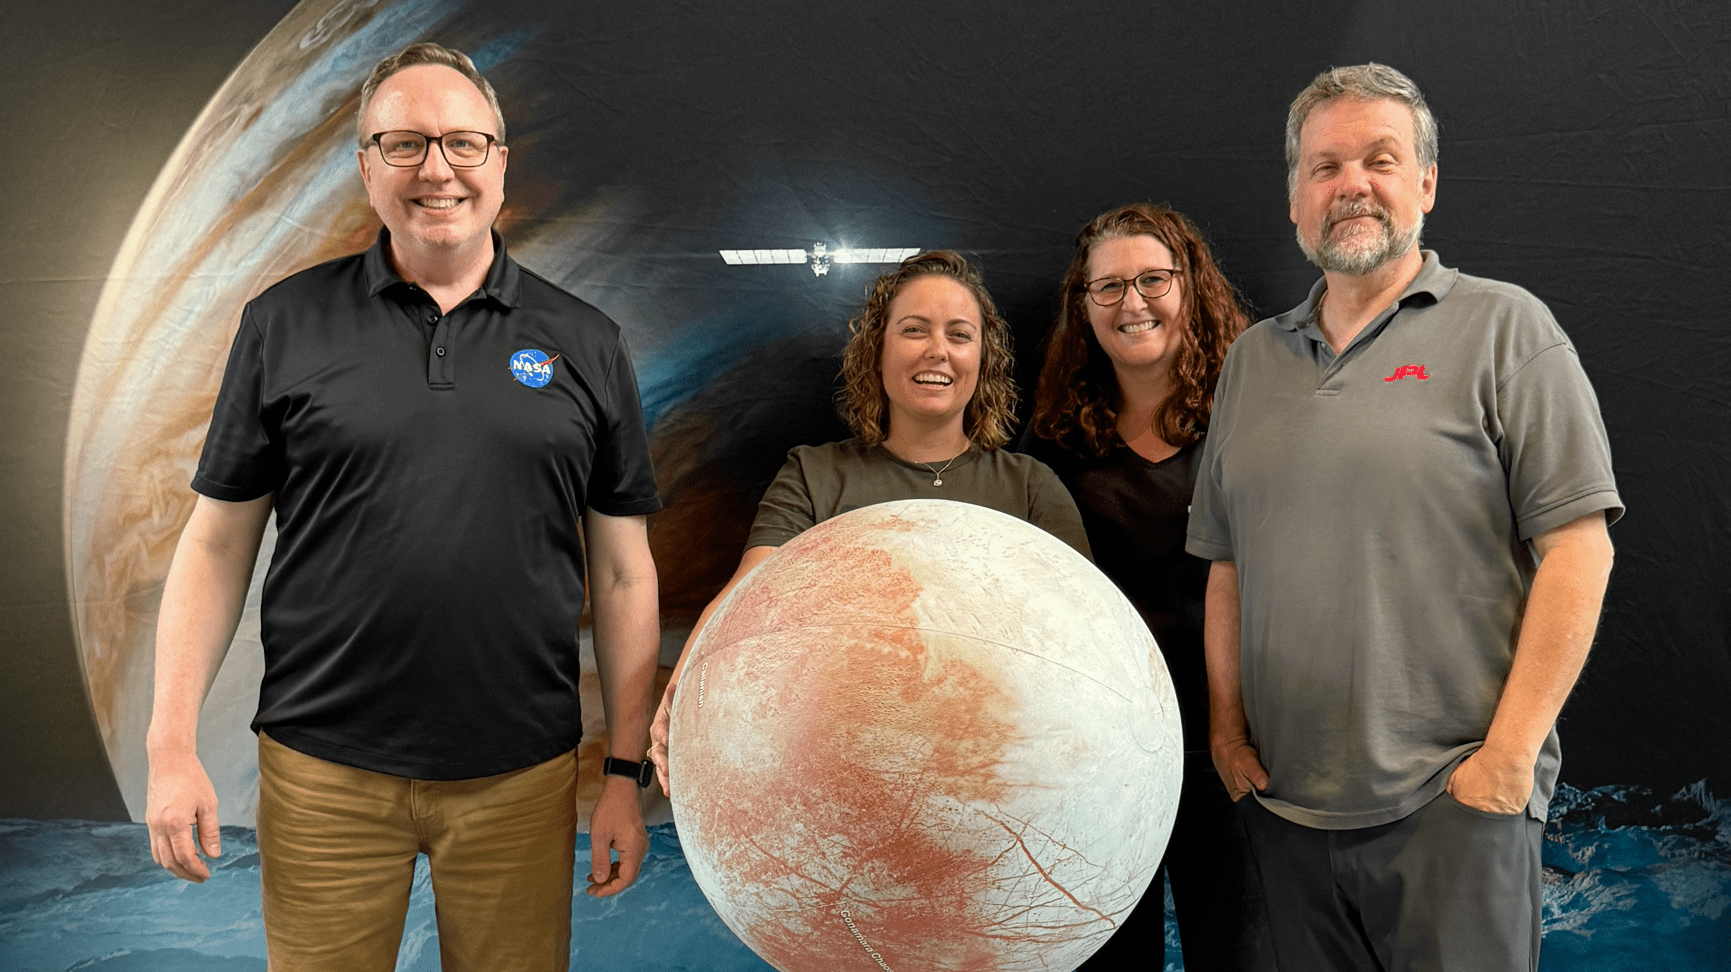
937,482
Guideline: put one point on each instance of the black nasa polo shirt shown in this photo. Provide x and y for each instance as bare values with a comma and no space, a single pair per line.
420,613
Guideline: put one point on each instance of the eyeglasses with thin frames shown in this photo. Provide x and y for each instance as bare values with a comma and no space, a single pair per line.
462,150
1151,284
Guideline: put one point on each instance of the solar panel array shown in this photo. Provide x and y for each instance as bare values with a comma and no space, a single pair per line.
735,258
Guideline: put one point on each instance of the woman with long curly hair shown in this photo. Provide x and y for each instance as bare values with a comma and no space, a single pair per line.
1119,415
927,389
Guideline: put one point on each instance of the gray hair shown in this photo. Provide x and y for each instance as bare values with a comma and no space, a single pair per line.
426,52
1366,82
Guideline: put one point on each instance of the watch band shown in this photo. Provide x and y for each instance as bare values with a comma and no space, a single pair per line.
641,772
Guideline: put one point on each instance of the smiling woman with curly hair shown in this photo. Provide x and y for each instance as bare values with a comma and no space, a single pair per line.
1144,320
863,401
927,390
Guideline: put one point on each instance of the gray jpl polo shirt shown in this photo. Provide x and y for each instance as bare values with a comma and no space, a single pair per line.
1376,505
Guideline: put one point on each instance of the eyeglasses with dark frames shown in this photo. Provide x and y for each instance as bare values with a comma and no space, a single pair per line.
1151,284
462,150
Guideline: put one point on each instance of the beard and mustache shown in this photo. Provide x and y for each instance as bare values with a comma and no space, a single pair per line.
1360,251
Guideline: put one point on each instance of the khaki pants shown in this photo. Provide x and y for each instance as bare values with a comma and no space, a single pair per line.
337,850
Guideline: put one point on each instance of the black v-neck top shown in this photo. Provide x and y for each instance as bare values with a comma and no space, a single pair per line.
1135,513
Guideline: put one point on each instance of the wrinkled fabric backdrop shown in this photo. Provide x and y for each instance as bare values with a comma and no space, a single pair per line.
1584,147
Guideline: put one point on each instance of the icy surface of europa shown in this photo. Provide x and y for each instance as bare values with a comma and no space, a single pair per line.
925,735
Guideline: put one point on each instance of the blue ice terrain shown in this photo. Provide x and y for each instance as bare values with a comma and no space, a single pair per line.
86,896
1633,881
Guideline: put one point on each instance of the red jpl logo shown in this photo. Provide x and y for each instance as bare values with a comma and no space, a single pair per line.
1408,371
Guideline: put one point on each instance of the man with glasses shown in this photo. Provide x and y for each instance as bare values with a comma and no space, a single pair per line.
1405,493
432,424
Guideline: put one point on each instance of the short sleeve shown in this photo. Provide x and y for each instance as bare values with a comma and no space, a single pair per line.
243,456
786,510
1554,445
622,479
1053,509
1209,535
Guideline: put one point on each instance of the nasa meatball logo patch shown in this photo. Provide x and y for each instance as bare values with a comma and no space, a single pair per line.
532,367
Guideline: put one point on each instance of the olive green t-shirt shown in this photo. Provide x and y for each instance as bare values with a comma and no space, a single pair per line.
820,482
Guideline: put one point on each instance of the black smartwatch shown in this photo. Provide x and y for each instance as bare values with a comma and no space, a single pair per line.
641,772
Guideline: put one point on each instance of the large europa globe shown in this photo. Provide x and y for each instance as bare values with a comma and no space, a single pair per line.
925,735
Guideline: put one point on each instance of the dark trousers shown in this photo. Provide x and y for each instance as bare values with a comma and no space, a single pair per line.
1447,889
1215,889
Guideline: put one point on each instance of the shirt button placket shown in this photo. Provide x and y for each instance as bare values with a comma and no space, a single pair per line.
440,373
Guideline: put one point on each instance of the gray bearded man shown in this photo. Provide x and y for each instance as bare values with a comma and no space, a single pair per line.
431,424
1405,494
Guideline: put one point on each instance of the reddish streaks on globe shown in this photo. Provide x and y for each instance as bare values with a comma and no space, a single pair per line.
862,781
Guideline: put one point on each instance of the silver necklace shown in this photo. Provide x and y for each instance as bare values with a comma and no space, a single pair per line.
938,474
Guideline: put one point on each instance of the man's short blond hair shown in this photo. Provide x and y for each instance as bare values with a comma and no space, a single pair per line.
425,52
